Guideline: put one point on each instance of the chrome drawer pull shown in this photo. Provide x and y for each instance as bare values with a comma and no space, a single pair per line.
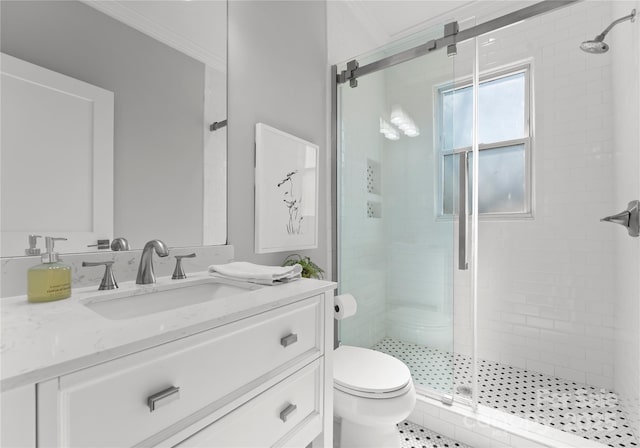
291,338
284,415
163,398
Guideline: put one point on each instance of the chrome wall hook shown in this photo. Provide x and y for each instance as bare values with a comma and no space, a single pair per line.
629,218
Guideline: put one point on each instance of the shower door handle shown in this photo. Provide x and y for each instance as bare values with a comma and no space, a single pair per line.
462,212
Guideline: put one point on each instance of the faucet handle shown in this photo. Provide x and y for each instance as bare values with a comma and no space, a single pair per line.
120,244
178,272
108,280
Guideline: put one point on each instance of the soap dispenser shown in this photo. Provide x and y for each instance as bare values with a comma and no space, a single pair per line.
50,280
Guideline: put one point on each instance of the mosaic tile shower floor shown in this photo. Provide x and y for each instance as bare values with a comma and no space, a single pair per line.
577,408
415,436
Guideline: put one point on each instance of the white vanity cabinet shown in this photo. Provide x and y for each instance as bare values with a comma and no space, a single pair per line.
18,417
260,381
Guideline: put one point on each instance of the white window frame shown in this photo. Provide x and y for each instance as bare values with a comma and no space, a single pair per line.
527,140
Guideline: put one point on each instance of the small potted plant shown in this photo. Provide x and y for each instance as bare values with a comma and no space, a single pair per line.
309,268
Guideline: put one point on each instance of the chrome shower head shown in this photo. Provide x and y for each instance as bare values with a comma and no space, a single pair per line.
598,45
594,46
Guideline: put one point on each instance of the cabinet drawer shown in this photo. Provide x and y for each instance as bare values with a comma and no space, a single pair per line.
108,405
270,417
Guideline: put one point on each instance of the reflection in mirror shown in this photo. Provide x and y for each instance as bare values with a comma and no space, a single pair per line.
155,170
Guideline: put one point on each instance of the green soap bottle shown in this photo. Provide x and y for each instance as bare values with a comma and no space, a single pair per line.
50,280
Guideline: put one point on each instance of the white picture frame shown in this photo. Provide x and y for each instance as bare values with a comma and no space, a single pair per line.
286,192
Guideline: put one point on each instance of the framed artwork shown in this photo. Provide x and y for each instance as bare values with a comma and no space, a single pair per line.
286,199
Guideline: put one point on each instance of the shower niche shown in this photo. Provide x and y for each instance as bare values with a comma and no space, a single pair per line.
374,190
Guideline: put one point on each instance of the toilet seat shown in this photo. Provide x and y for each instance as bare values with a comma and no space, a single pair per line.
369,374
374,395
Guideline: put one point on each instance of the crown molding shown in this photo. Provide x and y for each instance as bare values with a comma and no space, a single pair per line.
121,12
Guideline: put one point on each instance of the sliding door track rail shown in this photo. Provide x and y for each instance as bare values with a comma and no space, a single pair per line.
452,36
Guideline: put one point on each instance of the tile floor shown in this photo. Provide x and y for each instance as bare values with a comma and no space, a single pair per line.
414,436
572,407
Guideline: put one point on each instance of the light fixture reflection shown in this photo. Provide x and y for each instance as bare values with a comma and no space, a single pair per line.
388,131
403,121
397,115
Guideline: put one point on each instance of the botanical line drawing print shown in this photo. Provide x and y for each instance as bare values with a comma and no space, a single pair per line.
286,191
294,226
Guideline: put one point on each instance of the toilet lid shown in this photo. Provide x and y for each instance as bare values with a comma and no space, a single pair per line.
363,370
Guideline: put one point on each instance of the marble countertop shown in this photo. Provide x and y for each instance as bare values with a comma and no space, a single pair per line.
44,340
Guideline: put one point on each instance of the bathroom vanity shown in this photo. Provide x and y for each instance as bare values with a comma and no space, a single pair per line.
235,365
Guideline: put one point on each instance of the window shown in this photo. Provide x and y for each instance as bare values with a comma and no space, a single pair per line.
504,143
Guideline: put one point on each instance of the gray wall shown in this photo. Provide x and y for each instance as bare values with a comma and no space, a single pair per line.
159,101
277,75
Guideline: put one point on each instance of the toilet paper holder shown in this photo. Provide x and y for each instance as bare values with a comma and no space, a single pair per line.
344,306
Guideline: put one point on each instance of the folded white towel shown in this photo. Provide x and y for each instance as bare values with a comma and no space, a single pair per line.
256,273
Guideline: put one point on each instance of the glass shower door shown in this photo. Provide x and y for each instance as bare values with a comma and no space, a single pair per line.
397,251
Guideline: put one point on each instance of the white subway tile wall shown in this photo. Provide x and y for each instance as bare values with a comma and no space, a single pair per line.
546,295
626,115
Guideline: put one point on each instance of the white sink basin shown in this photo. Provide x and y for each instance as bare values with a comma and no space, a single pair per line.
145,300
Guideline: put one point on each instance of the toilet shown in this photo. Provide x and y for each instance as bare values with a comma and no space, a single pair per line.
372,393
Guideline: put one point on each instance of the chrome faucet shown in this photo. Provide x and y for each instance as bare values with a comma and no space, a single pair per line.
145,270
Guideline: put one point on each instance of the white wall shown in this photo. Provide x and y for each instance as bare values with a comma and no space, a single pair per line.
346,36
625,39
277,75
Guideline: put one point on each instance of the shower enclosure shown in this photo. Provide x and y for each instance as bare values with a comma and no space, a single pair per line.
529,304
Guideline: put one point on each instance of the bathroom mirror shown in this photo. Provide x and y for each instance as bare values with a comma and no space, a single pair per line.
164,62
